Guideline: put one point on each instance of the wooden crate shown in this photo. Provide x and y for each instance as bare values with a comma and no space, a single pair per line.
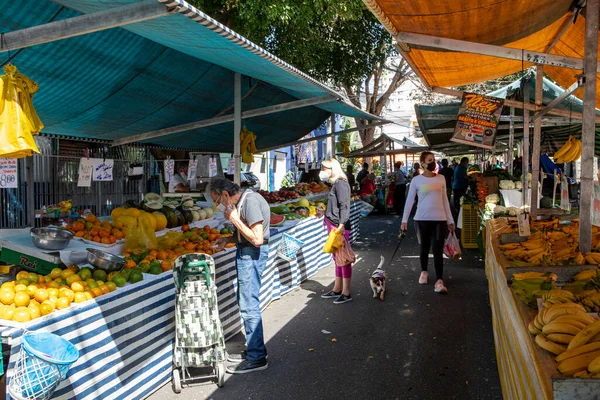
492,184
471,222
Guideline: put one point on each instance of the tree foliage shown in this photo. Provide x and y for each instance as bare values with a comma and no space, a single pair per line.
337,42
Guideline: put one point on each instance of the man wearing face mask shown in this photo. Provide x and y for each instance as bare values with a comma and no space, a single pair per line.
179,181
250,214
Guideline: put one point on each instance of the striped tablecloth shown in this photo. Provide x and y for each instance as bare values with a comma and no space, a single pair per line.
125,338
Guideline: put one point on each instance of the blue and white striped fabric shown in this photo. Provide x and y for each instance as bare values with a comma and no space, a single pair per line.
125,338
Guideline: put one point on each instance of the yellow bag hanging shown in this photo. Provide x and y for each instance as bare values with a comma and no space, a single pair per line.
334,241
18,119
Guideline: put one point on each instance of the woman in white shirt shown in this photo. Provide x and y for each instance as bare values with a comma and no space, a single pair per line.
433,218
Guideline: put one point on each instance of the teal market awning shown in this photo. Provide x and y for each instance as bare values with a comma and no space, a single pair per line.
160,73
437,122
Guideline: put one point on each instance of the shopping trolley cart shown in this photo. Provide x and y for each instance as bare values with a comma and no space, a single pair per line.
199,340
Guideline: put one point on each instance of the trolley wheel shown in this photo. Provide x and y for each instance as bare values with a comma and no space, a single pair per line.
220,372
176,380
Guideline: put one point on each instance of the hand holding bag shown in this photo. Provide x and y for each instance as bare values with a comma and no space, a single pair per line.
452,247
334,241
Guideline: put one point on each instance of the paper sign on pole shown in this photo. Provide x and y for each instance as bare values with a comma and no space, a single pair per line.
478,118
192,169
212,167
8,173
231,166
596,205
169,166
86,167
523,220
565,203
102,169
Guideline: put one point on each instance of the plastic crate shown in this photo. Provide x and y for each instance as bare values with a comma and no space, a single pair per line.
471,222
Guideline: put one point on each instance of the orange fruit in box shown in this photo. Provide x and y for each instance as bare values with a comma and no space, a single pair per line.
35,311
78,226
88,295
41,295
22,299
7,296
46,308
23,275
63,302
96,292
80,297
20,288
21,314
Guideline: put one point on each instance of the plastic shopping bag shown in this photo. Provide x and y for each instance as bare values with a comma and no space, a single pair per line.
452,247
334,241
345,255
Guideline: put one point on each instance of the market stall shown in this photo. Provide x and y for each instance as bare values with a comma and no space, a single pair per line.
130,330
526,370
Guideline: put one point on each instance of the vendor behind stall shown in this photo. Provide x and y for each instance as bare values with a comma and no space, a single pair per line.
179,182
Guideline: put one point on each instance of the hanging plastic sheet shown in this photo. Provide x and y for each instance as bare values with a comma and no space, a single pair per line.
18,119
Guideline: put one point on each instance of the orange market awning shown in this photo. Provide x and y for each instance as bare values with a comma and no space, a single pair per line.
542,26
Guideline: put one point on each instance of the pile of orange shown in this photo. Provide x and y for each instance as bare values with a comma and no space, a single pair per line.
90,228
193,240
32,296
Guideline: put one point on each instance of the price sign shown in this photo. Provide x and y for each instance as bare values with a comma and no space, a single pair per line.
102,169
8,173
231,166
86,167
169,169
524,229
192,170
212,167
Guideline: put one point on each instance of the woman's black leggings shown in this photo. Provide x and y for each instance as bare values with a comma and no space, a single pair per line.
432,234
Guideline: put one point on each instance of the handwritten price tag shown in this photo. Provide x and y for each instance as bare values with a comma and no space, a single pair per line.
8,173
86,166
169,169
102,169
192,170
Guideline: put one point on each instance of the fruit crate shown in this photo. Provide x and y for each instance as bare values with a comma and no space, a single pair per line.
471,222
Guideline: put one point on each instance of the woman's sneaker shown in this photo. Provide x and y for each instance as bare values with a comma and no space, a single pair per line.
331,295
423,278
237,358
343,299
440,288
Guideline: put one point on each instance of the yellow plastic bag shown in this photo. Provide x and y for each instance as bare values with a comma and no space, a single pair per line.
18,119
334,241
141,237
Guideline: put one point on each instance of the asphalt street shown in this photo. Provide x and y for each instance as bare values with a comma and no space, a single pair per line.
416,344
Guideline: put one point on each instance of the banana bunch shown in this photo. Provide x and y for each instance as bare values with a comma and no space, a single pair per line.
557,296
582,357
571,151
531,251
549,276
591,302
528,290
557,326
592,258
247,147
65,205
587,274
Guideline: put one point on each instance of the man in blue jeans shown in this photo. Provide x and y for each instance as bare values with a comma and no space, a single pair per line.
250,214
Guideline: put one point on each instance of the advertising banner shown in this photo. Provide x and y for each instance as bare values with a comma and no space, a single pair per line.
477,122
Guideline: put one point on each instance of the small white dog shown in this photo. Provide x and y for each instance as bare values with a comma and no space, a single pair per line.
377,281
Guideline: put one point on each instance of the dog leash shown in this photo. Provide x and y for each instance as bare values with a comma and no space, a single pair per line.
401,236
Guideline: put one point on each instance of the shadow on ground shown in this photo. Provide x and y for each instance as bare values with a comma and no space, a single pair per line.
415,345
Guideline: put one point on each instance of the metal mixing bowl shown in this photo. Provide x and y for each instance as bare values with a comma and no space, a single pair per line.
50,238
105,261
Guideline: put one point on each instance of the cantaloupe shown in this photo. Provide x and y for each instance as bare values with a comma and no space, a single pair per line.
161,220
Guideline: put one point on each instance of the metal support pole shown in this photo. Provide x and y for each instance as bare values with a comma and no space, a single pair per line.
511,141
537,139
30,192
332,138
385,174
237,126
590,66
525,160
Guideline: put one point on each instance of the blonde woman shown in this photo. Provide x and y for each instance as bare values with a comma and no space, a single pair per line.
338,216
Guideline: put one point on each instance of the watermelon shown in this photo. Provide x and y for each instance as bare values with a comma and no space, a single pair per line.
171,217
277,219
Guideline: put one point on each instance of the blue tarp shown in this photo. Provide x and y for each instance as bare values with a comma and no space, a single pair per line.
157,74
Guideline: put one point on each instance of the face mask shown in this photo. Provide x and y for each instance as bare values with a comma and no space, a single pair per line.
221,208
324,176
431,167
